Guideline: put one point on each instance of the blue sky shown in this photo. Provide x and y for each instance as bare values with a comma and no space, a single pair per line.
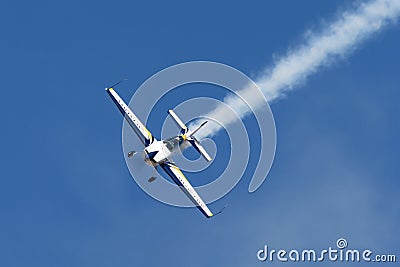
67,198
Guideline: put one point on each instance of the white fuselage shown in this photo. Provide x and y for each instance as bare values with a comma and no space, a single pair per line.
159,151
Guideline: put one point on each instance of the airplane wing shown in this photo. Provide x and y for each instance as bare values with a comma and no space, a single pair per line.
175,173
138,127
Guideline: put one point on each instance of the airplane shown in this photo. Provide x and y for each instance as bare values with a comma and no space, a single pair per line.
157,153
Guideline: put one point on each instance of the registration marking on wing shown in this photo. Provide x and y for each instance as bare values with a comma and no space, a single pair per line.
180,179
131,118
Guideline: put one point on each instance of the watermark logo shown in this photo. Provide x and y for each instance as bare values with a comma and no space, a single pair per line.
245,98
340,253
341,243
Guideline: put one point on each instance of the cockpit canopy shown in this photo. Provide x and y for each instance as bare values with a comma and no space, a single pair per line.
172,143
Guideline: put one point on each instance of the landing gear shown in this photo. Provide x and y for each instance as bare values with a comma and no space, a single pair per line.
131,153
146,160
151,179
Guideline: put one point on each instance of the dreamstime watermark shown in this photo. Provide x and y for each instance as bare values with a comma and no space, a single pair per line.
340,253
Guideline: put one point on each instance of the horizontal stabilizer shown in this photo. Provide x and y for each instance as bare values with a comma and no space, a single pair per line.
178,121
196,144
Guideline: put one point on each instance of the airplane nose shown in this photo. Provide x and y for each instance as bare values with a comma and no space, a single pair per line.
147,158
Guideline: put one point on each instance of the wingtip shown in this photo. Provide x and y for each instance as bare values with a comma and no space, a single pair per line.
115,84
219,212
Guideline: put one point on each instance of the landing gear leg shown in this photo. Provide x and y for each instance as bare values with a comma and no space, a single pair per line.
154,177
131,153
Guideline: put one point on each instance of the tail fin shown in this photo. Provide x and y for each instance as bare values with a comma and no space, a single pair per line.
188,135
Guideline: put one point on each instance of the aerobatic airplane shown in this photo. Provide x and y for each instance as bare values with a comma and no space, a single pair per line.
157,153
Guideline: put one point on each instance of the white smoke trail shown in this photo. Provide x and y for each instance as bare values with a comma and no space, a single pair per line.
335,41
